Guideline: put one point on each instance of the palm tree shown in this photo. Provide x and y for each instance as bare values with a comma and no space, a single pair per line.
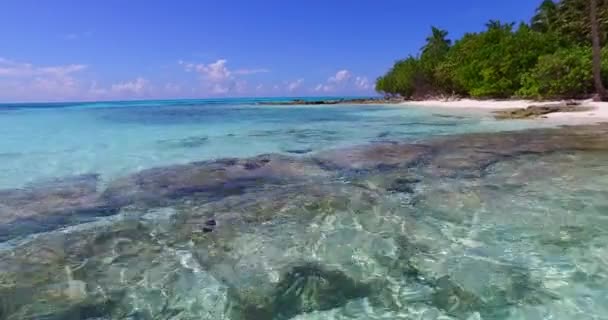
498,25
597,51
545,17
437,42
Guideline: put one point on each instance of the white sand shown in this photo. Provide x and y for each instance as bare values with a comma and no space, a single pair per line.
472,104
598,114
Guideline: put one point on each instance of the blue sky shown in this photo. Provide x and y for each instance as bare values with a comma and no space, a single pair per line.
114,49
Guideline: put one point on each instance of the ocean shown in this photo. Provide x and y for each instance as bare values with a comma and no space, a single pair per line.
232,209
45,141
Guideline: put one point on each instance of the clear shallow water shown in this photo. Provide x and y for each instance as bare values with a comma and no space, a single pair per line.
42,141
463,226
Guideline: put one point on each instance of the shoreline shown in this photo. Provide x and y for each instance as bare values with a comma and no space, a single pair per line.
563,112
591,111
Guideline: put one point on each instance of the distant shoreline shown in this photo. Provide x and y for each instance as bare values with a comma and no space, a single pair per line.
585,111
332,101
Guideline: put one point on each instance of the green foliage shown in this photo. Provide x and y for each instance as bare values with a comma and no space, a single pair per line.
433,54
478,63
572,22
402,79
436,48
563,74
549,58
545,19
490,64
414,77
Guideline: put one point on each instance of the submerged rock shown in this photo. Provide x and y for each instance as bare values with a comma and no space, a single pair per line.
469,155
404,185
452,298
462,156
116,269
488,287
303,289
299,151
50,204
207,180
373,156
397,180
265,238
383,134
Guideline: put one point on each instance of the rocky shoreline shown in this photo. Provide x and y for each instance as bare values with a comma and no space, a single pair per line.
536,111
297,102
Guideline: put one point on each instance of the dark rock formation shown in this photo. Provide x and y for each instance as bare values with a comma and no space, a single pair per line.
335,101
299,151
537,111
403,185
303,289
46,206
207,180
50,204
471,154
373,156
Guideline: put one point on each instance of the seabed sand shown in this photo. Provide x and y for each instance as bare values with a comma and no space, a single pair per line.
598,114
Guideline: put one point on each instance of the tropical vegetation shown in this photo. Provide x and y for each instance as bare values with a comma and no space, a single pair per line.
557,54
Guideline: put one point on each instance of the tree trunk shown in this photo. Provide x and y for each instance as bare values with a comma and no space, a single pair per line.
597,52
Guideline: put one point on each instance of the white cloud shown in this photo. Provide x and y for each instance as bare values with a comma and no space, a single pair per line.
216,71
9,68
219,89
24,81
362,83
95,90
294,85
21,81
62,85
217,78
340,76
323,88
344,81
250,71
136,87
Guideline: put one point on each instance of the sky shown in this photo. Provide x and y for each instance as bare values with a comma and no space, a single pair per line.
75,50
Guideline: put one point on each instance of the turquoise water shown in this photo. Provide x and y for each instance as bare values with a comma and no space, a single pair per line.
43,141
227,209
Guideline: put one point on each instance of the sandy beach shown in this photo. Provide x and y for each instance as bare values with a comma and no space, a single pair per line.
598,114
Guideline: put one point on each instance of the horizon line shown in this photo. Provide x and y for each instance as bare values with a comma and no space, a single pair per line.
183,99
